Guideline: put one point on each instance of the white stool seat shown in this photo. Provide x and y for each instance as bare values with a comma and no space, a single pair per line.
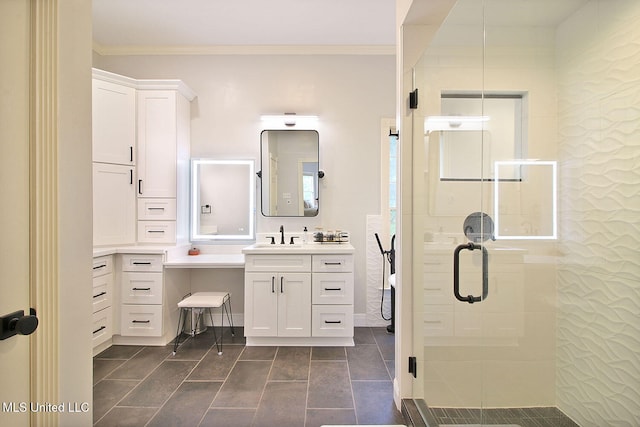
204,300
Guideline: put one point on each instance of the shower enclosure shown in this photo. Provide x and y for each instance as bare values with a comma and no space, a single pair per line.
525,214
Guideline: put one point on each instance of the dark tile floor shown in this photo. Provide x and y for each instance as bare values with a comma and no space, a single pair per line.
506,417
246,386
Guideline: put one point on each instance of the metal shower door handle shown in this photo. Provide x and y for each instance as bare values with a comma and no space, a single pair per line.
456,273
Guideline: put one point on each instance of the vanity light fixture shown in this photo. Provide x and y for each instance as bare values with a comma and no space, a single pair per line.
435,123
289,120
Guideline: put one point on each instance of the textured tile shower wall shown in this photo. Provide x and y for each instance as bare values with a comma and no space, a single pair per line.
598,341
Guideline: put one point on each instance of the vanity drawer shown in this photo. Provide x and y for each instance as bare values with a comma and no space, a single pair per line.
279,263
332,321
156,231
141,288
332,263
102,265
156,209
141,320
102,329
332,288
142,262
102,292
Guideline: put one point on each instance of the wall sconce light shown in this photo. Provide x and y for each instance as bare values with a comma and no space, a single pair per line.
289,120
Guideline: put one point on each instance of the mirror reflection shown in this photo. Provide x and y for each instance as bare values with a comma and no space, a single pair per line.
222,199
289,163
489,127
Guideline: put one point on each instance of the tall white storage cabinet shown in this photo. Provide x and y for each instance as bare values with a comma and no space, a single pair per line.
164,114
114,147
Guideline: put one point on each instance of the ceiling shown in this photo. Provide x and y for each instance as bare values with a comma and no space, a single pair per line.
291,26
206,24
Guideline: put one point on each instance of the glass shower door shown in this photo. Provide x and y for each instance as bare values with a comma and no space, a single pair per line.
484,222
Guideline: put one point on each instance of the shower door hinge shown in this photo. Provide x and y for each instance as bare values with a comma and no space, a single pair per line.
413,366
413,99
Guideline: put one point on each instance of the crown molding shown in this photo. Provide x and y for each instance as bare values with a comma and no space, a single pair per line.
145,84
246,50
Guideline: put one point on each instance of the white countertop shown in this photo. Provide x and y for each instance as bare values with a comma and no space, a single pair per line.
131,249
207,261
222,256
306,248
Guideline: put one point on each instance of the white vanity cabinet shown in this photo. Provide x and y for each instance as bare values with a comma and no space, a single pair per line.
277,296
298,298
163,152
332,290
102,302
141,295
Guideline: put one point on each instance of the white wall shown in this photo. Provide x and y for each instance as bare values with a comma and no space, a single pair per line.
350,94
598,374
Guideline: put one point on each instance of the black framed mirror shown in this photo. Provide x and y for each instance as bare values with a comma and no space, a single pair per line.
289,162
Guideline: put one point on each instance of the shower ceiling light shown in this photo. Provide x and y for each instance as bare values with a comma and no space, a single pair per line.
435,123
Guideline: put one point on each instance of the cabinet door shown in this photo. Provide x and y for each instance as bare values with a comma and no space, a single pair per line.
157,139
294,304
114,123
260,305
114,204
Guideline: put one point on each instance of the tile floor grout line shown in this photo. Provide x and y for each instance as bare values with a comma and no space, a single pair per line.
264,388
129,392
178,386
235,362
306,400
353,396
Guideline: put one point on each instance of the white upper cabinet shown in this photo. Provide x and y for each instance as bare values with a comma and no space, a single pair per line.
114,122
163,134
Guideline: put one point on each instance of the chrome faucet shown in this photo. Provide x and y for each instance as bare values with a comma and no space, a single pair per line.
282,234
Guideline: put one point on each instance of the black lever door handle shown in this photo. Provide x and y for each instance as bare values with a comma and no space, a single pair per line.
456,273
17,323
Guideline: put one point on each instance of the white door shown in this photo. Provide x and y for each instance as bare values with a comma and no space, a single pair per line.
294,304
14,215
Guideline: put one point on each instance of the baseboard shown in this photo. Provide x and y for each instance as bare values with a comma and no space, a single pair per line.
360,320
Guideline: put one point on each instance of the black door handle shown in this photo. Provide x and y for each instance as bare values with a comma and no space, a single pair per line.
456,273
17,323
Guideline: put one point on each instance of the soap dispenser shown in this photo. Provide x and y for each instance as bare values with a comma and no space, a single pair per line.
304,235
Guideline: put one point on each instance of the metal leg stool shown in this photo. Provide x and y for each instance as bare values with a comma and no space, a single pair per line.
205,301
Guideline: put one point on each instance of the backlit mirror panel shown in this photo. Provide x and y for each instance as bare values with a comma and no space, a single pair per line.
222,199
